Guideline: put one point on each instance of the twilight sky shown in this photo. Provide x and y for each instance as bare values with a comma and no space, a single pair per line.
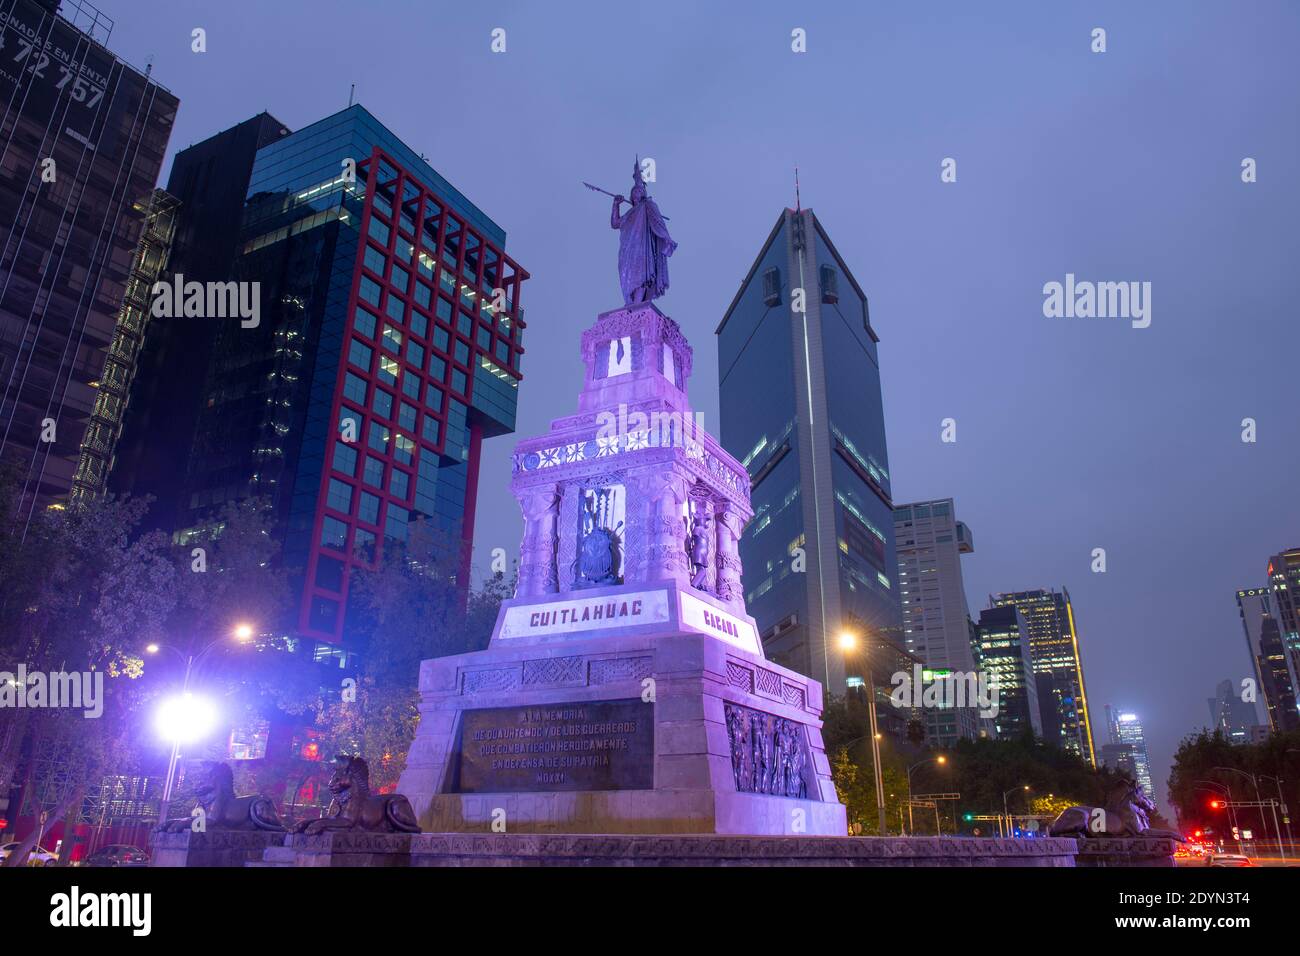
1073,434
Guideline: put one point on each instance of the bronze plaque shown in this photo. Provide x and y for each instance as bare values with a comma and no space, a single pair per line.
594,745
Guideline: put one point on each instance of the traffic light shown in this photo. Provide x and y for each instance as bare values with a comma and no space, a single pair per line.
1216,804
968,817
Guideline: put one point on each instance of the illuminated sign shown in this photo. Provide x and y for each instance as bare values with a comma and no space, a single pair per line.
586,614
705,618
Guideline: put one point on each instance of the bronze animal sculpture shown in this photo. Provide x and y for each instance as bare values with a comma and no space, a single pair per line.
225,811
354,807
1126,814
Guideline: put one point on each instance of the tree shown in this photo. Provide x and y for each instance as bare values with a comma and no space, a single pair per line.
409,607
77,591
85,592
1197,777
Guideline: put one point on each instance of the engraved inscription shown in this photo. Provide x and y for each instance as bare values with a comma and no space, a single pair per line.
593,745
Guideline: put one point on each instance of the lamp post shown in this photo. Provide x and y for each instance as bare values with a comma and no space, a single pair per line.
941,760
1281,802
848,642
181,717
1006,812
1223,790
1251,777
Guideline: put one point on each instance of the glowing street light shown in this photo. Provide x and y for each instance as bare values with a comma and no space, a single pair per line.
185,718
848,644
1006,812
941,759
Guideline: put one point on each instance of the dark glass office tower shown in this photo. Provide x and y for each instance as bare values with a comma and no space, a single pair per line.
1126,728
388,346
1005,654
209,181
1054,649
801,408
1272,663
1284,579
82,138
1232,715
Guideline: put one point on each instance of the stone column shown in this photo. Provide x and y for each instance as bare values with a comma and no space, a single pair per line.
666,534
727,560
537,551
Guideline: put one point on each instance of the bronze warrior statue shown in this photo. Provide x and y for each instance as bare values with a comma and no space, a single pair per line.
355,808
643,245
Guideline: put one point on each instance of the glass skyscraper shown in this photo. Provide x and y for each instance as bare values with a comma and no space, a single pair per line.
1126,728
209,181
1054,649
388,347
1284,580
936,618
801,408
1232,715
1005,655
1269,657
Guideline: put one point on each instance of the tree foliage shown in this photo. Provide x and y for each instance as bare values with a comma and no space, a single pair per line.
1207,766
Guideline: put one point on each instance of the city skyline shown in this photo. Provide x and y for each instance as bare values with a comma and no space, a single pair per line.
921,254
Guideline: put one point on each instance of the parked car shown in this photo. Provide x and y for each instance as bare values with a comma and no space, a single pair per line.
1227,859
39,856
117,855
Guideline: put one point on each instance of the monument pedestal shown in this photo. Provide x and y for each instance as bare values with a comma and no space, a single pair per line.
625,690
638,728
509,849
340,848
212,848
1125,851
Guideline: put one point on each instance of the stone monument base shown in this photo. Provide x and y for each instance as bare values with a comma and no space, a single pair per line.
340,848
513,849
1125,851
652,728
632,811
212,848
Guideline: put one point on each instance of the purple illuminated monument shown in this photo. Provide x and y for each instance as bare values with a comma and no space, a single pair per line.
625,688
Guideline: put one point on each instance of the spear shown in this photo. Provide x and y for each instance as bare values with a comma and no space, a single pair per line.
606,192
599,190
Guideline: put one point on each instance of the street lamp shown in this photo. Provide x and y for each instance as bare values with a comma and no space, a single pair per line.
1260,800
1006,812
187,711
185,718
848,643
940,760
1282,803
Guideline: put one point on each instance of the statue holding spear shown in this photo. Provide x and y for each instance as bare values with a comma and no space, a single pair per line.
644,244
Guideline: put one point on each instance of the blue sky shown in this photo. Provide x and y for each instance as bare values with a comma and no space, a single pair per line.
1073,434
